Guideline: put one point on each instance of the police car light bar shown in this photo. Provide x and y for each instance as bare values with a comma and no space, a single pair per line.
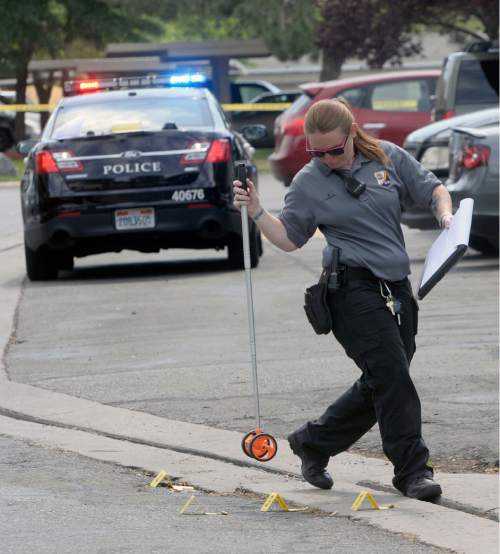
72,88
187,79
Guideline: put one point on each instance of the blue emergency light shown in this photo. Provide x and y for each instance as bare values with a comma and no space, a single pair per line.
184,79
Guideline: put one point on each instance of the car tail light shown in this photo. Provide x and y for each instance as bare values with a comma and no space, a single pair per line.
197,154
448,114
65,162
201,205
68,214
474,156
45,163
295,127
219,151
53,162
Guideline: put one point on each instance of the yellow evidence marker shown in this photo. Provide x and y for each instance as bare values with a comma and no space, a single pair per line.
275,497
162,476
185,508
271,499
362,496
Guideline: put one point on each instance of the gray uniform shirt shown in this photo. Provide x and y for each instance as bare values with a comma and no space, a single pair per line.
367,229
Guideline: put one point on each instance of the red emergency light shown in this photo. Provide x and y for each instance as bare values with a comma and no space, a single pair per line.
88,86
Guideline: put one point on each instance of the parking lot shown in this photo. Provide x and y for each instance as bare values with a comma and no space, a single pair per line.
167,334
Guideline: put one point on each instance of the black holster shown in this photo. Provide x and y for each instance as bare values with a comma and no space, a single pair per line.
315,297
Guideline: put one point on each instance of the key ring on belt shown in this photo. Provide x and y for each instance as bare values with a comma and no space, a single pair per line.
389,292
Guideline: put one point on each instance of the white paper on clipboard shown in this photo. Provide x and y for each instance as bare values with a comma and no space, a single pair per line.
448,248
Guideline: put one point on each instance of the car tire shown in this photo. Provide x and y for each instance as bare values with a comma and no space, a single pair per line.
483,245
235,250
41,264
65,261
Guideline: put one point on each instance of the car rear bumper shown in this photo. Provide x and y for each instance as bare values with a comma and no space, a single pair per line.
484,217
419,218
289,158
95,232
484,225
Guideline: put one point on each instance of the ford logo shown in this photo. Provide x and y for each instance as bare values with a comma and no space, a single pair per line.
131,154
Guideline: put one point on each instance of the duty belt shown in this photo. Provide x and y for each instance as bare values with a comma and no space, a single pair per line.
345,274
358,274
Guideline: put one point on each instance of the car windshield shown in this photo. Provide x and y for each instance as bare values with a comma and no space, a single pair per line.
130,114
477,82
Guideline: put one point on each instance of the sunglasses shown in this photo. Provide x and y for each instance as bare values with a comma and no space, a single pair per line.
337,151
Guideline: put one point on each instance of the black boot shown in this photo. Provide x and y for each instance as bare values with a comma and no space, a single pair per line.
313,464
423,488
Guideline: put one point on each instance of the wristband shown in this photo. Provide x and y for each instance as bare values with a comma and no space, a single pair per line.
258,214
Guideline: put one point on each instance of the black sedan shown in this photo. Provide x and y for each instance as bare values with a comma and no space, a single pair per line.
143,168
266,118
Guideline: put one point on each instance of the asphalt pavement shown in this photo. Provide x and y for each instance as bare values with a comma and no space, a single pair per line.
121,324
166,337
53,502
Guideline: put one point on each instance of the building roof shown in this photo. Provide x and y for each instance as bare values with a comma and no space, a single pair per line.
191,50
132,64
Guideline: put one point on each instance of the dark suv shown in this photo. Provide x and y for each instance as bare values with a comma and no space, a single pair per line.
468,81
142,168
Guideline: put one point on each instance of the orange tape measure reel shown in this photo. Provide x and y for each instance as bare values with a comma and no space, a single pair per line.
259,445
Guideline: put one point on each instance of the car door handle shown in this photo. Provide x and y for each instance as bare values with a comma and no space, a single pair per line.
374,125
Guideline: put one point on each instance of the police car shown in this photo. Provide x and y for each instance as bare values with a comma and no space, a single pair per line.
132,163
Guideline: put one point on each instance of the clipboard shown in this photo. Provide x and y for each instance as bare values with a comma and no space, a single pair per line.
447,249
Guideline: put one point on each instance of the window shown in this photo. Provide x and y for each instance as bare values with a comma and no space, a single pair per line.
129,114
276,98
247,92
404,96
354,96
477,82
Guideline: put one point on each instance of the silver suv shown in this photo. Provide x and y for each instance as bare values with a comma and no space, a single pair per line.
468,81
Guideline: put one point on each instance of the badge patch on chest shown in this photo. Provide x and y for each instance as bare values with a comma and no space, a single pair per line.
381,177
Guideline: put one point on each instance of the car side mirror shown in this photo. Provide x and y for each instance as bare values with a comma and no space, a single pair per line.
25,146
253,132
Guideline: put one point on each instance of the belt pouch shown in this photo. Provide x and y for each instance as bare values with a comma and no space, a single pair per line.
316,305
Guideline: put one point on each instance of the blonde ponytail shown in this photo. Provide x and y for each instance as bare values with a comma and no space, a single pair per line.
327,115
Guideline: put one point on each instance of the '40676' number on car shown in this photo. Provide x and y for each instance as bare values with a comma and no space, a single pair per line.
188,195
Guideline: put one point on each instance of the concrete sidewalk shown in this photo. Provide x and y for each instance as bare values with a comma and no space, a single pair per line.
212,458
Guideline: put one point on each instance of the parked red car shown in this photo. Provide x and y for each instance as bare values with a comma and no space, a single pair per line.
387,105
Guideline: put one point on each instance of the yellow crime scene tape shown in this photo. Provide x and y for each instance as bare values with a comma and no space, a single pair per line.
27,107
276,107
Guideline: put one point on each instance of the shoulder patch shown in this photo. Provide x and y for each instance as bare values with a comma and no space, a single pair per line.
381,176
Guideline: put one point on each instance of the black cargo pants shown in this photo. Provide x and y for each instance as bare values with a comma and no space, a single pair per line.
385,392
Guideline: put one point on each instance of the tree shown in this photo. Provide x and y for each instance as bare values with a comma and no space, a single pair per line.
383,30
377,31
372,30
285,26
48,28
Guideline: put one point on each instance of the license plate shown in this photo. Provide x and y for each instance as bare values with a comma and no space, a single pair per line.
138,218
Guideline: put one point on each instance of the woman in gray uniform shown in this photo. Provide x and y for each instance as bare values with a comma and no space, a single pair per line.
352,190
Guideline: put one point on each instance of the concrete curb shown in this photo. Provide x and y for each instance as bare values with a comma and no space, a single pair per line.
476,491
9,184
428,523
68,420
